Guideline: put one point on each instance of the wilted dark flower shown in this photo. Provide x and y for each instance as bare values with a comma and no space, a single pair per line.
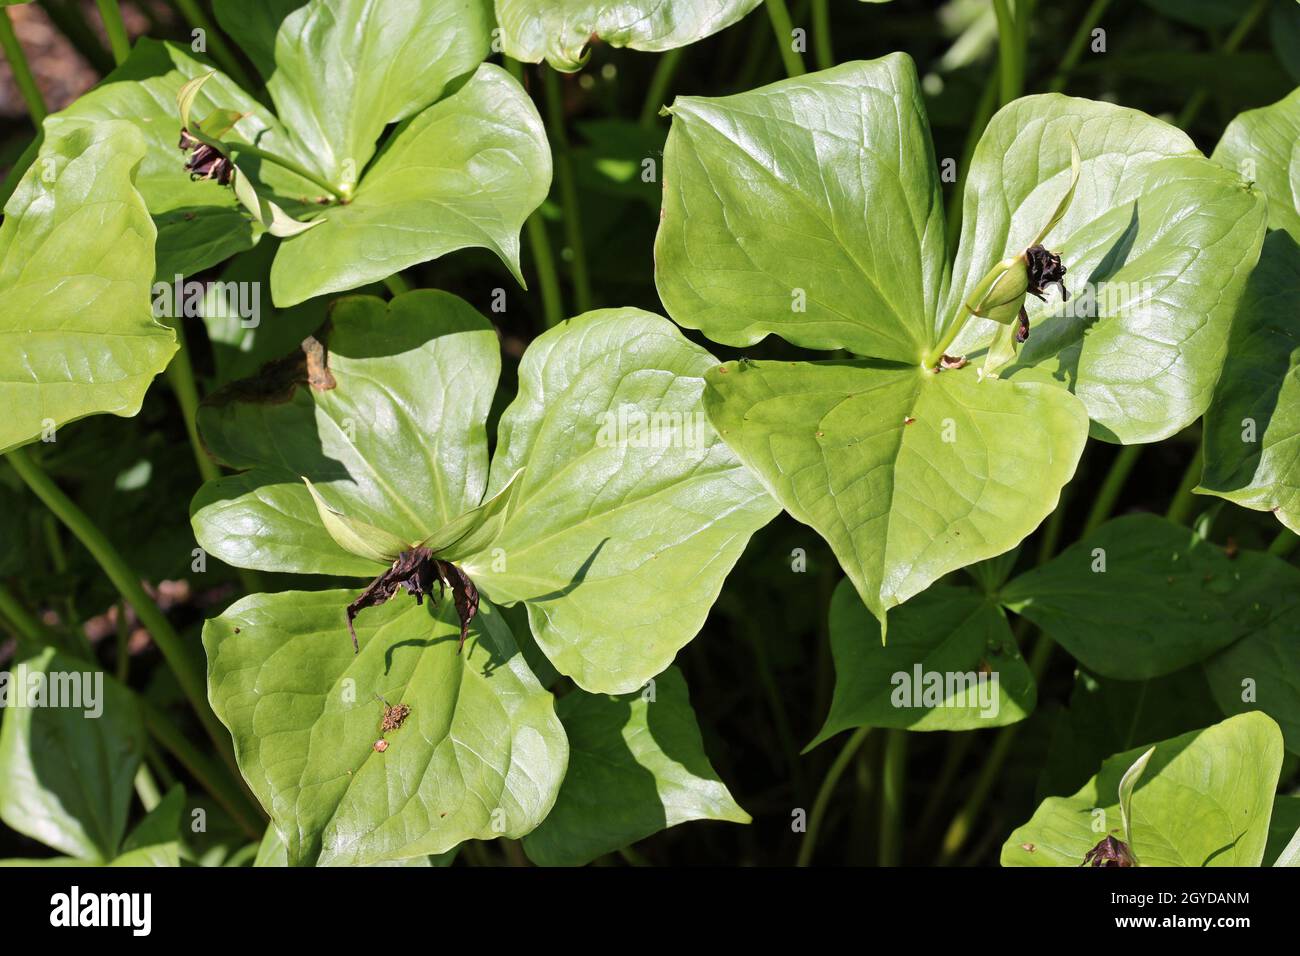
206,161
1109,852
1045,269
416,571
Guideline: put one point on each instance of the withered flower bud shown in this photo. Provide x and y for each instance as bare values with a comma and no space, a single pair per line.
1045,269
206,161
1109,852
416,571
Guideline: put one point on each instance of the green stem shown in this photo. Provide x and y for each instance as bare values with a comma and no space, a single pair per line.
24,625
1078,43
128,585
1230,45
1285,543
146,788
952,761
180,376
397,284
1008,52
120,43
892,796
22,71
221,51
568,191
837,768
1111,486
1184,501
823,52
784,30
965,312
539,243
658,92
290,165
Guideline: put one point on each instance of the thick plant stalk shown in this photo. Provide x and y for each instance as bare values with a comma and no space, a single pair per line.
128,585
1180,509
568,192
539,243
1009,53
784,30
22,71
1111,486
891,797
837,768
118,40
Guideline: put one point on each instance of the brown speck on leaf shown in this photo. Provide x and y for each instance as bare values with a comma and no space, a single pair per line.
1230,549
908,419
417,571
1028,847
722,369
821,434
394,716
950,363
380,746
236,630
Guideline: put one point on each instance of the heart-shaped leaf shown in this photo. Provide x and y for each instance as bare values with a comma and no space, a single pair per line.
1142,596
950,664
559,31
393,435
636,766
76,263
809,209
630,510
480,754
1204,799
907,473
59,714
1158,242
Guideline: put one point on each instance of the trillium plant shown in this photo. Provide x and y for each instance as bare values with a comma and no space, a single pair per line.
457,432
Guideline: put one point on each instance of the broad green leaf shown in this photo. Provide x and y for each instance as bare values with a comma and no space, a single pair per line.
559,31
76,262
398,442
156,841
199,223
1252,428
345,69
1157,243
950,664
636,766
1142,596
70,743
480,755
1205,799
630,511
908,474
1261,671
465,172
810,209
1262,147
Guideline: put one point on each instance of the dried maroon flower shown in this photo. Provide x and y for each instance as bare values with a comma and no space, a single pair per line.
1109,852
1045,269
416,571
206,162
